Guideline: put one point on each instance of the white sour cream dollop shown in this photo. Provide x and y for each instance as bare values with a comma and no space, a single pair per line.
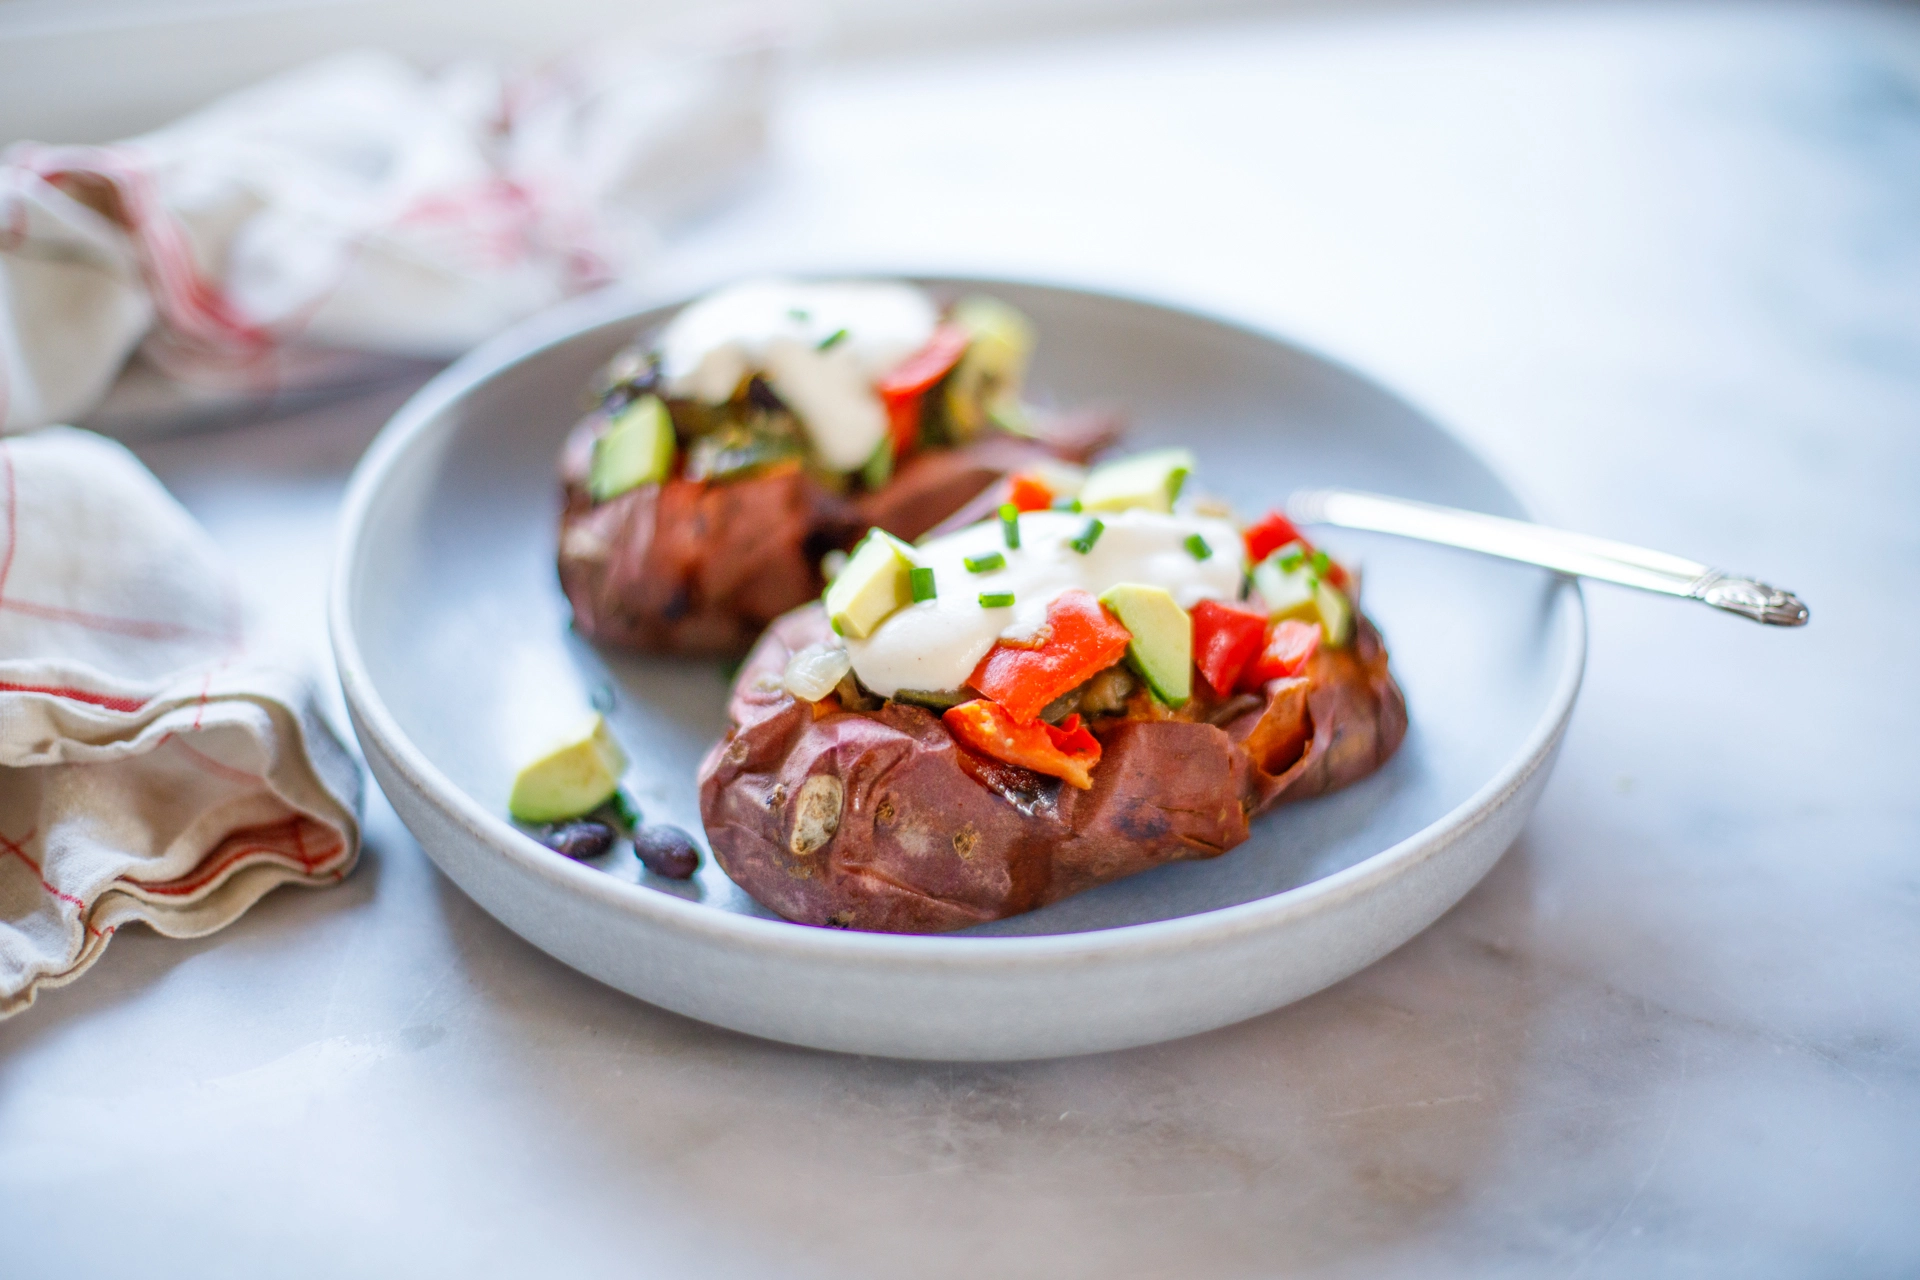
776,328
935,644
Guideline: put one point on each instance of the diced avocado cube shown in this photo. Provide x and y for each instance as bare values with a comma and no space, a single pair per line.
1336,614
1149,480
1162,646
985,385
1287,591
577,776
637,449
1300,593
876,582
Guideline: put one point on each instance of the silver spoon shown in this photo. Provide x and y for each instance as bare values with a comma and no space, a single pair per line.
1574,553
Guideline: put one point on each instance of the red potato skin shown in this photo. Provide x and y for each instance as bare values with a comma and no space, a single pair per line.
932,837
695,568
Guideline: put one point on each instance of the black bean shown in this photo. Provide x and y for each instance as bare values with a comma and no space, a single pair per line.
578,839
667,851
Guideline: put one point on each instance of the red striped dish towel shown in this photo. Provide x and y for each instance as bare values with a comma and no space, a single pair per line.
152,768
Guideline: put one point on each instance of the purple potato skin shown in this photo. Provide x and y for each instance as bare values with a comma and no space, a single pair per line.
932,837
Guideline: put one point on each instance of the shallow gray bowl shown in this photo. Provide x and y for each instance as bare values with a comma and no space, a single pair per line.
455,654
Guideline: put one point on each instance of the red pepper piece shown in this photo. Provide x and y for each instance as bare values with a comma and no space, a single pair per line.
1268,534
1073,737
1288,649
1067,753
903,388
1029,493
1226,637
1082,640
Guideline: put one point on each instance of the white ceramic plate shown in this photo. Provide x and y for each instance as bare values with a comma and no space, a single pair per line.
456,657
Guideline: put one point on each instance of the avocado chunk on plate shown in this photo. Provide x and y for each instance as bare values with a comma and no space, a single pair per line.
576,776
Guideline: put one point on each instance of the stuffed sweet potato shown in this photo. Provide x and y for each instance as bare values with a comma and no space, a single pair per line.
772,424
896,763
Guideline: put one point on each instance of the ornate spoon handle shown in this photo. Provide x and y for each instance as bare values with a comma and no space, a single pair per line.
1574,553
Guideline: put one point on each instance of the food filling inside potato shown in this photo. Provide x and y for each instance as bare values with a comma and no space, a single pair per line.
1084,601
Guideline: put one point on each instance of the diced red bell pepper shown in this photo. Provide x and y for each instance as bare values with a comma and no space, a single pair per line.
1030,493
1068,752
1289,647
1226,637
1082,640
903,388
1268,534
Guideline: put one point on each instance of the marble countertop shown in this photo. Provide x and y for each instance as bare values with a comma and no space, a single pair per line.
1663,267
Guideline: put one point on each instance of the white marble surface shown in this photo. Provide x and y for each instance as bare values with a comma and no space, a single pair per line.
1664,267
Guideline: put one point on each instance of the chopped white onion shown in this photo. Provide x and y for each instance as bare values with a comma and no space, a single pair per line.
813,672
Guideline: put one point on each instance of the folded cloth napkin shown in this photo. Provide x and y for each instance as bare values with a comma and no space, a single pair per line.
151,767
362,203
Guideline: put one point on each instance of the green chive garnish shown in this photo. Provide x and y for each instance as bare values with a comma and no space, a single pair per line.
1066,504
624,809
920,580
1197,547
1320,564
1088,536
1292,560
986,563
996,599
1010,525
837,335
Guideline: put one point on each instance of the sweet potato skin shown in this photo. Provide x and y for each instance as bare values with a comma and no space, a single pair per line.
931,837
701,568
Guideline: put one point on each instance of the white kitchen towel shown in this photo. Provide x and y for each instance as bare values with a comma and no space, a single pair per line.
152,767
360,202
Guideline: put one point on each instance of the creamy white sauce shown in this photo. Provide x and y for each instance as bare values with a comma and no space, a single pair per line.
775,328
935,645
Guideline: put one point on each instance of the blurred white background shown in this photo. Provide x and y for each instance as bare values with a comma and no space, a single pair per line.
95,70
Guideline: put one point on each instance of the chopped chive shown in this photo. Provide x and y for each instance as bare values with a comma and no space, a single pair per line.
799,313
996,599
837,336
1066,504
1088,536
624,809
1197,547
1292,560
1010,526
921,581
986,563
1320,563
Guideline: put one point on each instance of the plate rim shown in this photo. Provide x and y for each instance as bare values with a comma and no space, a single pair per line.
538,334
